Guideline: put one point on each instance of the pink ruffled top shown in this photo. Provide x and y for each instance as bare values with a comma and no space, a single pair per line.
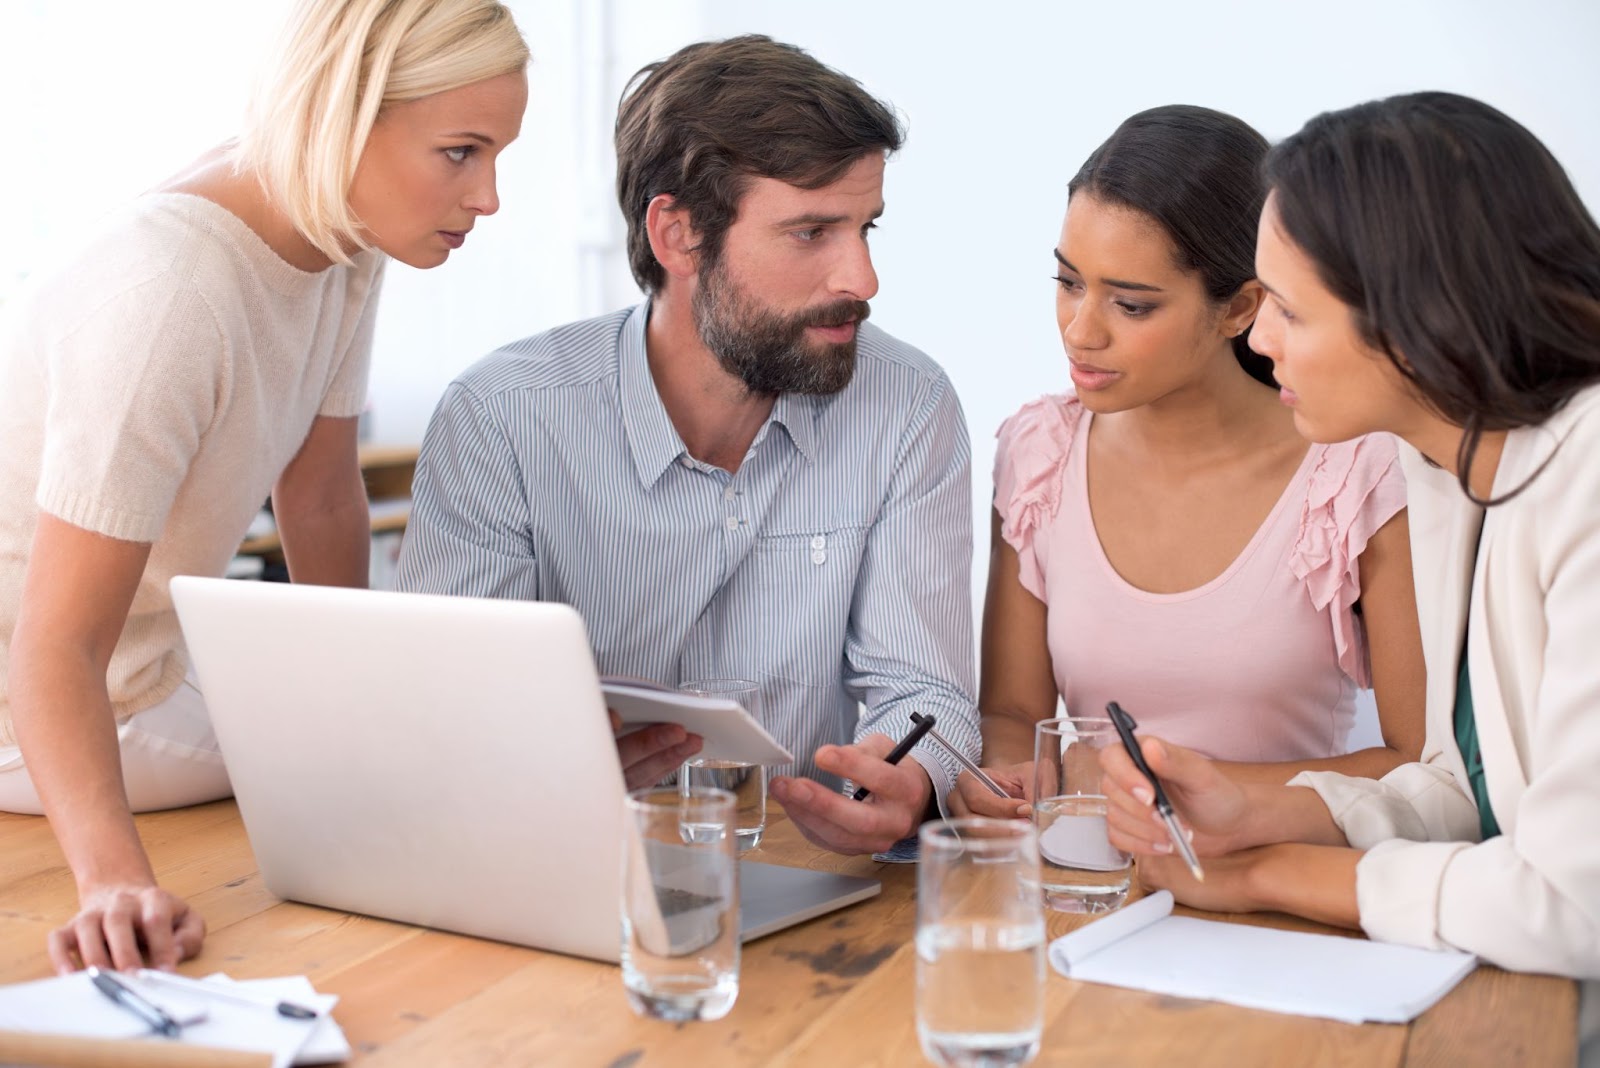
1261,663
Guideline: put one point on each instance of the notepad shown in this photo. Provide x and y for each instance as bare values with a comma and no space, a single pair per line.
70,1006
729,731
1145,947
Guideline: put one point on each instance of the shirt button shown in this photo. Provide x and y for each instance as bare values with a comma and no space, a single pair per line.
686,461
728,494
733,522
818,556
818,542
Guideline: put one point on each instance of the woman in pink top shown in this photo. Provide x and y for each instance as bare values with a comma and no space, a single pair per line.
1164,538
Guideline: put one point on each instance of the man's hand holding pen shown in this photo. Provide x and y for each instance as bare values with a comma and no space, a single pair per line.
899,796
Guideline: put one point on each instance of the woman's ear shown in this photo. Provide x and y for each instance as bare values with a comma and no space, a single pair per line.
1242,308
673,239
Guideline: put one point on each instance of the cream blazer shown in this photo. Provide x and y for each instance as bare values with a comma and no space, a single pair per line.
1528,900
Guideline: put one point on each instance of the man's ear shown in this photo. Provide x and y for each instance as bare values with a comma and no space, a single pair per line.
1242,308
673,239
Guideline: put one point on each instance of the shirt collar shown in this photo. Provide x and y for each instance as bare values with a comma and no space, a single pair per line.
653,440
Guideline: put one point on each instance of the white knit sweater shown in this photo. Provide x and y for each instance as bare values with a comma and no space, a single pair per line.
152,389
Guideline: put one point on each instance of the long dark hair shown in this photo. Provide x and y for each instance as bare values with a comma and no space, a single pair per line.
1461,248
1197,173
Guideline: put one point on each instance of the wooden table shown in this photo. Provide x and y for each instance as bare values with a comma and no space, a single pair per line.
835,991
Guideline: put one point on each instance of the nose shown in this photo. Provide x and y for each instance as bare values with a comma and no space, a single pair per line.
1081,326
853,274
483,198
1266,335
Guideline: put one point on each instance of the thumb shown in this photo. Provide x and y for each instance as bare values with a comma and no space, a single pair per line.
1174,763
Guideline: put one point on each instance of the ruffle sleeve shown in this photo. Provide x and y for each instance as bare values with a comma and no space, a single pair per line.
1356,487
1028,468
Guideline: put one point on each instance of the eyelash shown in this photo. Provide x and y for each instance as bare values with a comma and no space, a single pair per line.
1288,316
817,231
1133,311
467,151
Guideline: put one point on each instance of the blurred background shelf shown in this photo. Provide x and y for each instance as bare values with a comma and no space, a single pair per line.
387,471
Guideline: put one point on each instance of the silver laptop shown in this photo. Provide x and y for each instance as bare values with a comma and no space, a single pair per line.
445,761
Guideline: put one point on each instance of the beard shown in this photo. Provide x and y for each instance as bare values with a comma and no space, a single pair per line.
768,350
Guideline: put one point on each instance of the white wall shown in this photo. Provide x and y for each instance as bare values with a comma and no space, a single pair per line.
100,98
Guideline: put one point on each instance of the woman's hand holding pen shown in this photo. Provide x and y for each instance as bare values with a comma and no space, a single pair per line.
1212,806
973,798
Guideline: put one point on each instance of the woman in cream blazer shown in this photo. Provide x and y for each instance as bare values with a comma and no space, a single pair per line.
1432,273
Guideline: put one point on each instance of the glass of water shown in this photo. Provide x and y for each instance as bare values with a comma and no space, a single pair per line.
980,943
1081,869
746,782
680,903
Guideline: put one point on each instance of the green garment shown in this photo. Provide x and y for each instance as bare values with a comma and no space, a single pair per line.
1467,742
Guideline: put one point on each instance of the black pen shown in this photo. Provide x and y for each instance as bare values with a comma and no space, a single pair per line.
924,724
135,1002
1125,725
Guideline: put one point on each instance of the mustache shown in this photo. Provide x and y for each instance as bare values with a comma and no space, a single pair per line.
837,314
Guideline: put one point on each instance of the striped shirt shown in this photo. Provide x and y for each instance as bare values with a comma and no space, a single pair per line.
832,567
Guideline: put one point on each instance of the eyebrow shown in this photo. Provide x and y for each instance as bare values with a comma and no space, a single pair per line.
480,138
1114,283
815,219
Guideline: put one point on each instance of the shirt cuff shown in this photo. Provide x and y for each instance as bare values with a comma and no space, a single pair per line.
1397,891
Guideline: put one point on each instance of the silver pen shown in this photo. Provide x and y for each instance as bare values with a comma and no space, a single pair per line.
201,989
135,1002
961,758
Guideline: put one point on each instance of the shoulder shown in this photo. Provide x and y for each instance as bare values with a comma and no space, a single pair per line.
1346,475
574,354
1029,464
1042,428
891,372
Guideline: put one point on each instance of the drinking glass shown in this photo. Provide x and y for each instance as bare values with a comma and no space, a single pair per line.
1082,871
980,943
680,903
746,782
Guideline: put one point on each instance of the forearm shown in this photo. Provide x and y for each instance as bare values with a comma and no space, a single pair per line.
1277,814
1314,881
1007,737
68,737
1372,763
327,546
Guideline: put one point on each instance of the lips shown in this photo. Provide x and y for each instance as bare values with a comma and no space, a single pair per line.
1090,378
837,332
454,238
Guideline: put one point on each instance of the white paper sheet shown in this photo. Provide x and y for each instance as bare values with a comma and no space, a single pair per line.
1145,947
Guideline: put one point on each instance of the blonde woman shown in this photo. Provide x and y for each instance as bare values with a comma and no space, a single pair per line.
208,347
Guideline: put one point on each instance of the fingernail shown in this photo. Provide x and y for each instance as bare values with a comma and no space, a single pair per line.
1161,847
1144,794
800,792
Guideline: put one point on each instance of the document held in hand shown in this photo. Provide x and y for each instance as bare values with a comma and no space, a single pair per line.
729,731
1145,947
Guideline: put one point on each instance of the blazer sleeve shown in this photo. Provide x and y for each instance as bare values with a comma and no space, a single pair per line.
1528,900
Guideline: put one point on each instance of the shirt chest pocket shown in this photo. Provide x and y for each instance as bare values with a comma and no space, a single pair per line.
805,581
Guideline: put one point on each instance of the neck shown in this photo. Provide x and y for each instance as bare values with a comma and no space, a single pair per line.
213,177
1222,412
712,411
1440,442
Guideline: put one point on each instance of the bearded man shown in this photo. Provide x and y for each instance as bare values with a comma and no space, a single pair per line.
739,477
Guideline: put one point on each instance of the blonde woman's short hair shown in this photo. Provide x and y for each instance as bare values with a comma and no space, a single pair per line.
338,64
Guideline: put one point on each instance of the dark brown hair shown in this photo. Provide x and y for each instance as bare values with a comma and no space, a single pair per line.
1461,248
701,123
1197,174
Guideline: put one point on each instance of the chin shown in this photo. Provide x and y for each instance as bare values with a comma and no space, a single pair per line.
1320,433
